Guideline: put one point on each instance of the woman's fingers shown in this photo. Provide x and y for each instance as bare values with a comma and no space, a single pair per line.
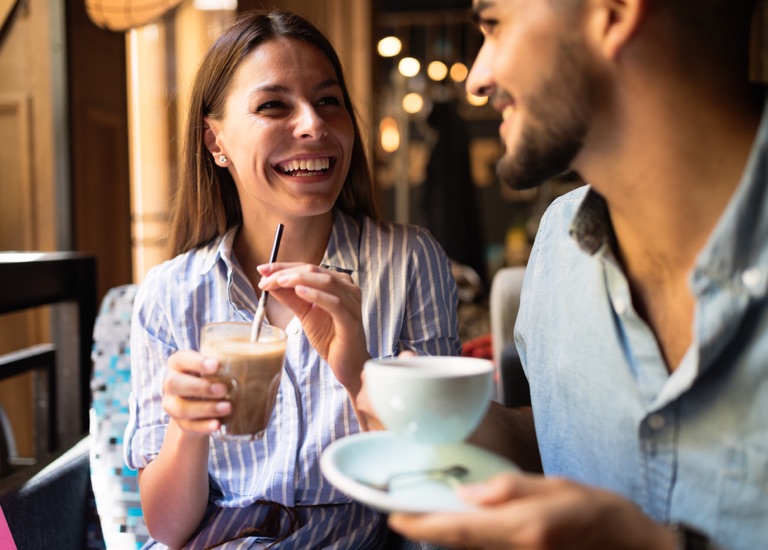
332,291
190,397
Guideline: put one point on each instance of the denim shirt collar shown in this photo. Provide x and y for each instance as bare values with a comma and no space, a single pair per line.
735,255
591,227
730,272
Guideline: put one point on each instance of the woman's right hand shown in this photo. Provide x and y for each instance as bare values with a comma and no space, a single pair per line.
194,402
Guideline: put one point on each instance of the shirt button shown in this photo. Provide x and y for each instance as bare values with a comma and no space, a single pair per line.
752,278
293,330
656,421
620,305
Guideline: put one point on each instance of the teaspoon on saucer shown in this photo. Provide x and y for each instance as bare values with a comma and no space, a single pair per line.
447,473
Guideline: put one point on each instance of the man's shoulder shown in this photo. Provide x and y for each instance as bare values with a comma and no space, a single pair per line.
558,217
569,203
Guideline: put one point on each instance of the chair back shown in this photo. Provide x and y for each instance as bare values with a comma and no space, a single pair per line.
115,486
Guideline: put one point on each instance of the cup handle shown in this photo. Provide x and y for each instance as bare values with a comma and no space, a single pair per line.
269,403
232,389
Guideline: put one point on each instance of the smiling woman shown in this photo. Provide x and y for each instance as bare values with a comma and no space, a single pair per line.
271,138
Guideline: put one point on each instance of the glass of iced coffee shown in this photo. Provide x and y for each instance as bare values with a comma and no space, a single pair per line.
250,370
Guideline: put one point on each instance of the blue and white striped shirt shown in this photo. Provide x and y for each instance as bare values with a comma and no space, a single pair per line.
409,301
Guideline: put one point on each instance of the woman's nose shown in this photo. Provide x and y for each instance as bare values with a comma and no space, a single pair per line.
309,123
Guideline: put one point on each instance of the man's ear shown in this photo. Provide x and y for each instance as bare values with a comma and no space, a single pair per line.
613,23
209,137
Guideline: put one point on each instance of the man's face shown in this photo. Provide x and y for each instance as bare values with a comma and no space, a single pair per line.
534,66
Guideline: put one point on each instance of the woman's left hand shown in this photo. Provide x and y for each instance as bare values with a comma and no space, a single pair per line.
329,306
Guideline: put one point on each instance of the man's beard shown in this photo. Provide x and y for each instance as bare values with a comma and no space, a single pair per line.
561,110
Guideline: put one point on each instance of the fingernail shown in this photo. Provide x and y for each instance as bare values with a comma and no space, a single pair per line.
218,389
210,365
223,406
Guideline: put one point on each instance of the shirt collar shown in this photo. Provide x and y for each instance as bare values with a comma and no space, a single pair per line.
220,249
591,227
736,252
341,253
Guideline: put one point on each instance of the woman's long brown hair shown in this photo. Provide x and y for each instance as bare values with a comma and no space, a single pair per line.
206,203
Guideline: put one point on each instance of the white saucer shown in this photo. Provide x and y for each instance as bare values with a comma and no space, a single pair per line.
375,456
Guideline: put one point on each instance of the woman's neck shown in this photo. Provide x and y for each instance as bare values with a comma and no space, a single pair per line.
304,240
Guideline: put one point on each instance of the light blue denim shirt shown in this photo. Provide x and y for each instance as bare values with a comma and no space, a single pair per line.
691,446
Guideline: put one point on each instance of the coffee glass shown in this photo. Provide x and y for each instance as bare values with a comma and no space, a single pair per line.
437,400
251,372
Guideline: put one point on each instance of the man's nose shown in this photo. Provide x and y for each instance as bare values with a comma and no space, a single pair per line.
479,80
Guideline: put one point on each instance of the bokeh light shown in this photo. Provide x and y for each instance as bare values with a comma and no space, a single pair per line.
476,100
389,135
389,46
459,71
437,70
409,66
413,103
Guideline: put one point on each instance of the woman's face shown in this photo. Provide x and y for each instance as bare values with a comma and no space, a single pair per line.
286,134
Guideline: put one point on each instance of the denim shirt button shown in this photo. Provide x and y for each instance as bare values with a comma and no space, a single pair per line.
656,421
751,278
620,305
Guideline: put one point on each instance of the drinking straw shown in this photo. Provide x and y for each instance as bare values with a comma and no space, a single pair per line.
259,317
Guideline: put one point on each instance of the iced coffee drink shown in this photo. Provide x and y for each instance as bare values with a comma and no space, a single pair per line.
250,370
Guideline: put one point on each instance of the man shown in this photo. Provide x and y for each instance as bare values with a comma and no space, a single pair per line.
643,324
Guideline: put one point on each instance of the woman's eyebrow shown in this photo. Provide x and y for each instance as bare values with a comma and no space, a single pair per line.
280,89
329,83
277,88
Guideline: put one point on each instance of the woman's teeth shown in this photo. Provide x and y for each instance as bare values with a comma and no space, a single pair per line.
305,165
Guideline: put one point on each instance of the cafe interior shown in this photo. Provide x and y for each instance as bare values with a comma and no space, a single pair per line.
92,96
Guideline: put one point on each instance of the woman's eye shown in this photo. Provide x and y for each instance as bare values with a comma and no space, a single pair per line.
270,105
330,100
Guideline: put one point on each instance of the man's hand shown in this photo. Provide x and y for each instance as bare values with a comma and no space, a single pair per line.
530,511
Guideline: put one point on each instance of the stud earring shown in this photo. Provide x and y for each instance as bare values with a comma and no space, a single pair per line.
222,159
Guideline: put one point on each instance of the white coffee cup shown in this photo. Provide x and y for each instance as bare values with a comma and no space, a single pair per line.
431,399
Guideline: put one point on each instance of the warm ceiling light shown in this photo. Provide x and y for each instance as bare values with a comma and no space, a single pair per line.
409,66
121,15
389,134
214,5
437,70
412,103
389,46
459,71
476,100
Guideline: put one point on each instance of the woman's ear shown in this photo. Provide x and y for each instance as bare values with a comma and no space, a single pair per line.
613,23
210,139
